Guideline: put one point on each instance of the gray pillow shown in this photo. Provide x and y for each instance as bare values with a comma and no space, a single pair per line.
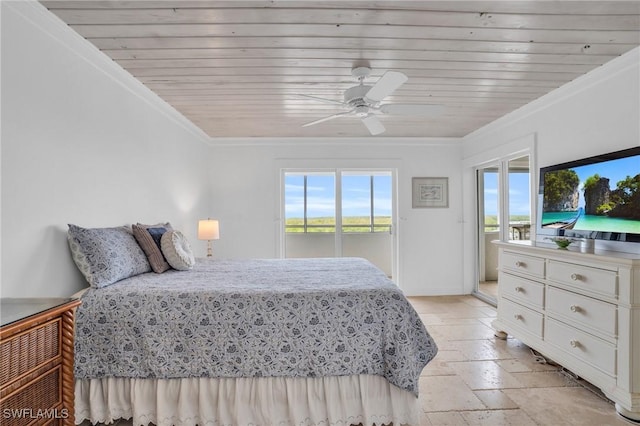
106,255
148,236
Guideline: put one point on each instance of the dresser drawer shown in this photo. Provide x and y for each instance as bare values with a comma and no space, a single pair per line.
521,317
522,264
26,351
582,310
530,293
581,345
596,280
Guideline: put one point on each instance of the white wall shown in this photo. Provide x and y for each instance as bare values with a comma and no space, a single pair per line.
594,114
376,247
83,143
246,200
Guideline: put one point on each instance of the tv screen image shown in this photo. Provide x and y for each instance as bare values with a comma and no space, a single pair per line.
597,197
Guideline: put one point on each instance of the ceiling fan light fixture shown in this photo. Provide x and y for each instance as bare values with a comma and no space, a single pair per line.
364,100
361,111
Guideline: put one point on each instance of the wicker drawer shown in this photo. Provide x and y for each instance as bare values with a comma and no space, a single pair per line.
583,311
36,364
41,394
528,292
583,346
595,280
522,264
521,317
26,351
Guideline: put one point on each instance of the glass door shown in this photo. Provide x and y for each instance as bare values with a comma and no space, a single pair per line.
367,217
519,205
489,215
503,212
340,213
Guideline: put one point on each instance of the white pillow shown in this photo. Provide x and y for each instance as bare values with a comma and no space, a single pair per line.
177,250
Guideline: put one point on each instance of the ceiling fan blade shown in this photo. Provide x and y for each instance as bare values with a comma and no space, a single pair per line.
326,101
373,124
331,117
385,86
409,109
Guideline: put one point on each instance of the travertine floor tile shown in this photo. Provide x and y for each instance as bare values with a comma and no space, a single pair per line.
487,321
525,365
476,350
495,399
565,406
447,393
544,379
462,311
438,368
438,319
498,418
485,375
460,332
450,355
450,418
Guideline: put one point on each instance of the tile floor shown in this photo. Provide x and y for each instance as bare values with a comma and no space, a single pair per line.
477,379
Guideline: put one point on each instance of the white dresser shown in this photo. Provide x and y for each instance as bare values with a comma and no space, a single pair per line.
582,310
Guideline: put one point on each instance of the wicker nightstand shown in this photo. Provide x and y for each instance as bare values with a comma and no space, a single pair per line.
36,361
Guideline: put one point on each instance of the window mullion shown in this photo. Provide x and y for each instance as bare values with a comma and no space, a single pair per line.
371,214
304,222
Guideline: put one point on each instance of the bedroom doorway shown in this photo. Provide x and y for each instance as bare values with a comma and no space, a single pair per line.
340,213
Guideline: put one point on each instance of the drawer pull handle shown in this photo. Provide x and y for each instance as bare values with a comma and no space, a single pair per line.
576,277
518,317
574,343
575,308
520,264
519,289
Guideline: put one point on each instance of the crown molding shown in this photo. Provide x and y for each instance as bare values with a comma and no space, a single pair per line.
366,141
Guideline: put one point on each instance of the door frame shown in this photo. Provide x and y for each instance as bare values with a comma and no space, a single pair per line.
521,146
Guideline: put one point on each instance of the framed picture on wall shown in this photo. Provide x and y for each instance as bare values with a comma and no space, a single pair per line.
430,192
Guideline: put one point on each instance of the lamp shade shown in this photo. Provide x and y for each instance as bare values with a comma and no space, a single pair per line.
208,229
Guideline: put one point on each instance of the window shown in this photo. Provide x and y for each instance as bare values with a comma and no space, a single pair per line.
310,202
366,202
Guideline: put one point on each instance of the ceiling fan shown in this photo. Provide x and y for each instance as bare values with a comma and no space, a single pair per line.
364,101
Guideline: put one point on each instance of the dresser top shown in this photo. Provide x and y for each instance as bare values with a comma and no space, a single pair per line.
573,250
15,309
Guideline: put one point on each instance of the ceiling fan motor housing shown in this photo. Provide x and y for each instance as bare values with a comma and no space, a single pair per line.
354,96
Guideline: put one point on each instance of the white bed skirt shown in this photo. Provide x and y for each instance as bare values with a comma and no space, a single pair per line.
282,401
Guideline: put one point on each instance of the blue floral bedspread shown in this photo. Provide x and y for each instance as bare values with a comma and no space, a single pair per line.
253,318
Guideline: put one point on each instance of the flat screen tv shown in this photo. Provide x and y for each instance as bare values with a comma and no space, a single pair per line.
596,197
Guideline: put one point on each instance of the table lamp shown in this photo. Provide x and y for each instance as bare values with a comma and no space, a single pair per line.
208,229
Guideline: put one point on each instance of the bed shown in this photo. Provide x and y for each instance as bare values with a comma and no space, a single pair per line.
251,342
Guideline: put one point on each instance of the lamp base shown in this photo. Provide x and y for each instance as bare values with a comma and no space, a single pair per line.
209,249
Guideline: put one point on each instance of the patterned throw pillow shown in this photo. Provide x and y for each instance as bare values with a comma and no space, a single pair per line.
177,250
106,255
148,236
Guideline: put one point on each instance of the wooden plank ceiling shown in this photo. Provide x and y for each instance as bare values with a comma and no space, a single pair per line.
236,68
